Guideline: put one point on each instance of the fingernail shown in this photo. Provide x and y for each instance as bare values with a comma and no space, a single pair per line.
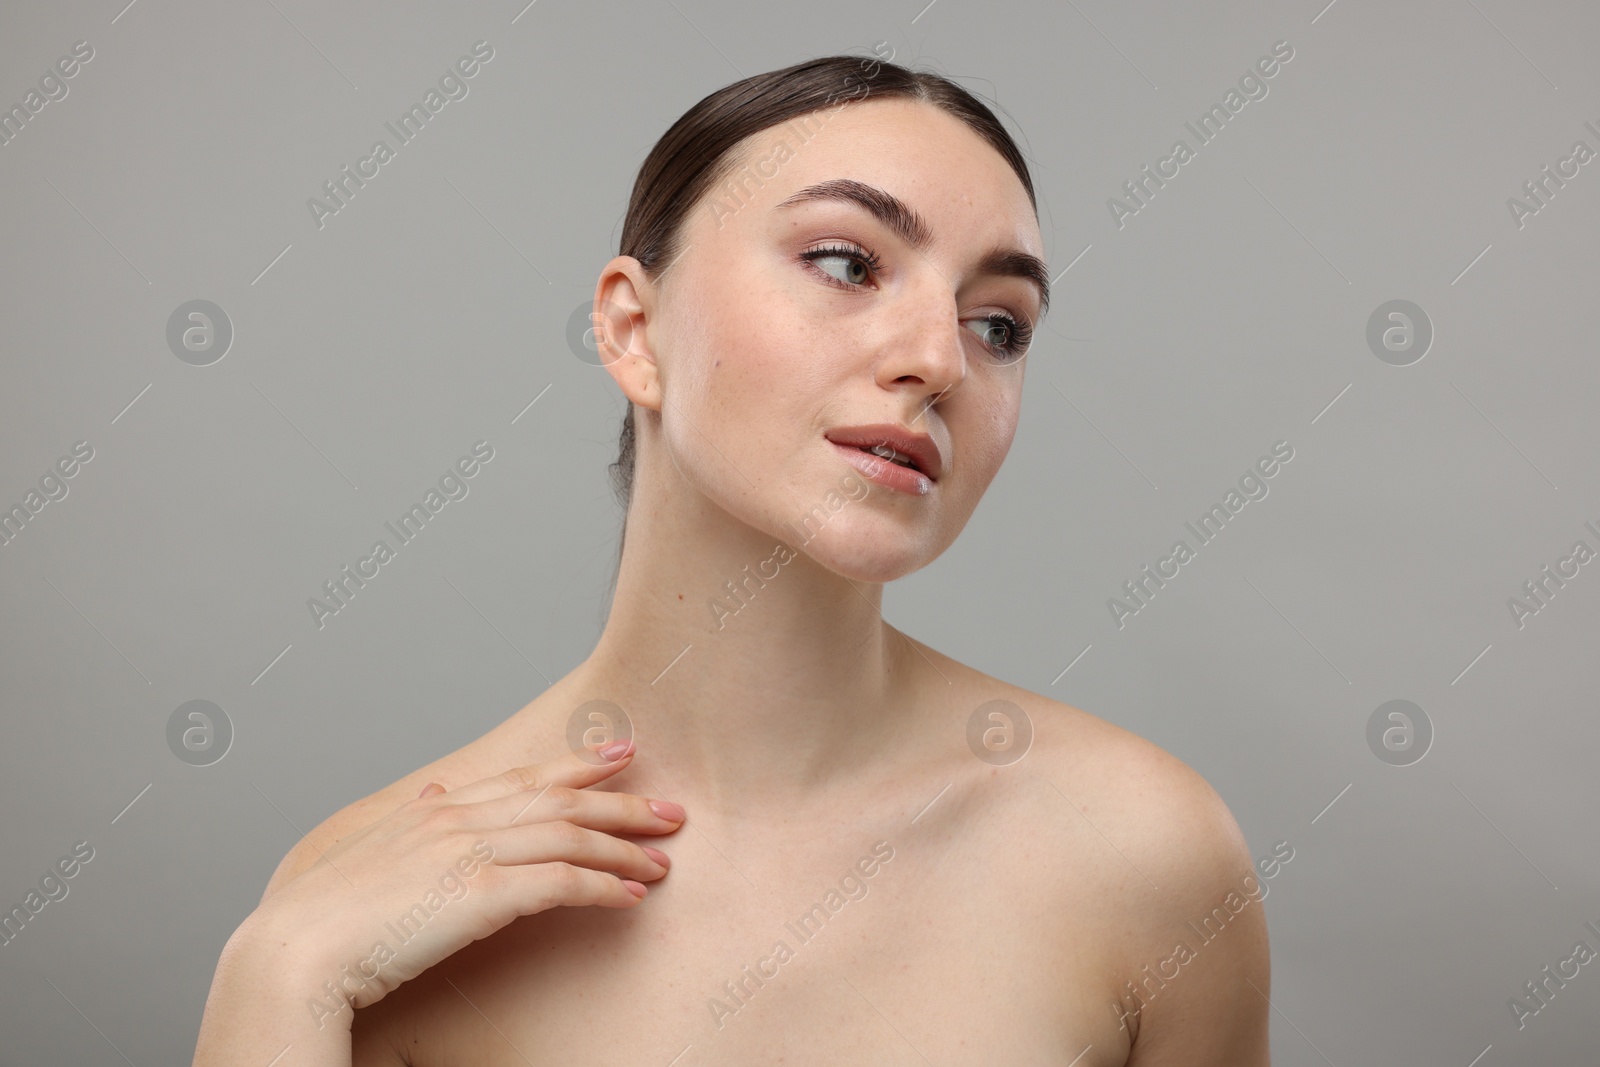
667,810
616,750
636,888
657,855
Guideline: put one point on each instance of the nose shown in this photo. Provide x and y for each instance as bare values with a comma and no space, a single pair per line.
926,352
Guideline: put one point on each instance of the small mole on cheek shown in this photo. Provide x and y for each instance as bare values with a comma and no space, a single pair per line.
680,596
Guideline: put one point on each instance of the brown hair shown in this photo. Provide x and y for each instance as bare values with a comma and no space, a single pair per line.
696,155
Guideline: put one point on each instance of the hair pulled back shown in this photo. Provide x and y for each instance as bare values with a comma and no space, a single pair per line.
696,155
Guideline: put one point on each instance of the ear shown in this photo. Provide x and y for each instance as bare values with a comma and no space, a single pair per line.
624,302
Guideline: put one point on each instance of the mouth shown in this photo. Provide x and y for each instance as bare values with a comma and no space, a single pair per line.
892,456
913,452
883,470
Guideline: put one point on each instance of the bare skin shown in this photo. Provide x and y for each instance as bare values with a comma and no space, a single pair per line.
1003,930
810,742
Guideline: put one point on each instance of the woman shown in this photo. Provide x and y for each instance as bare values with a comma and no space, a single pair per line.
828,278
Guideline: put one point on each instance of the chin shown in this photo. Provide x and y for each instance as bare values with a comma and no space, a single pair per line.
863,556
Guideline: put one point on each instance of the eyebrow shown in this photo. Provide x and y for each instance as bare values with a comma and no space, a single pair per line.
914,230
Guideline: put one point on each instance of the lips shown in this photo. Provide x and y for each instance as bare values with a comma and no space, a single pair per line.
918,448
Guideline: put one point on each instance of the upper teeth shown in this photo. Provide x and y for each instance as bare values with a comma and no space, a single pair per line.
890,454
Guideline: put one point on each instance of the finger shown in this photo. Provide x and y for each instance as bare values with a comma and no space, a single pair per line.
535,889
566,842
575,770
596,809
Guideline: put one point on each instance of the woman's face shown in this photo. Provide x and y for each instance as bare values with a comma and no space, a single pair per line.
789,320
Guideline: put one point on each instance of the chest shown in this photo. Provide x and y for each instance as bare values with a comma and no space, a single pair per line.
882,944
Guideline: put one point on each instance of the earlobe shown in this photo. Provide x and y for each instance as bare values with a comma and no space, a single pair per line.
623,302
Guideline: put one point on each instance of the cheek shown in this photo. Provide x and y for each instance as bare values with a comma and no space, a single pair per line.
751,374
994,428
729,397
721,379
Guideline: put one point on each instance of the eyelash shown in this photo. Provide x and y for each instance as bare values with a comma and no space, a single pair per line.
1021,333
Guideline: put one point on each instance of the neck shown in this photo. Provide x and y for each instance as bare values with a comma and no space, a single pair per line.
749,672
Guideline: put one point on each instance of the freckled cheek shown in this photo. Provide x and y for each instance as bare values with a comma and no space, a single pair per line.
988,439
744,399
1007,411
707,359
734,336
1005,433
764,358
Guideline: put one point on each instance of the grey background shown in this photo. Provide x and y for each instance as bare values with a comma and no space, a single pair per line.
1228,314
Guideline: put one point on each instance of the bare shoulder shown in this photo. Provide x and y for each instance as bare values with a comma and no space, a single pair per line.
1193,960
1156,862
1157,802
464,765
1161,805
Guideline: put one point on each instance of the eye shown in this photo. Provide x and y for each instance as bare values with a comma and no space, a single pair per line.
1004,335
860,263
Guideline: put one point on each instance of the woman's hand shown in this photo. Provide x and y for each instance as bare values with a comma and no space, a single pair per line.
449,868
